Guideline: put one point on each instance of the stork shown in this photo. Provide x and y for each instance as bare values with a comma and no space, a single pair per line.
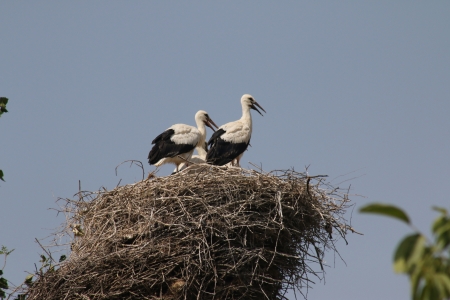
176,144
231,140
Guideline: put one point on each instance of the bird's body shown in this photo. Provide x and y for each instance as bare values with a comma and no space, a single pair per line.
177,143
195,159
231,139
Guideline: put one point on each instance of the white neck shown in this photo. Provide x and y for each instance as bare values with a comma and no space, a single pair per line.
201,151
246,116
202,128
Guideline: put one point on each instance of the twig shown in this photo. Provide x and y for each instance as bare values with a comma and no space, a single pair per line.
132,161
45,250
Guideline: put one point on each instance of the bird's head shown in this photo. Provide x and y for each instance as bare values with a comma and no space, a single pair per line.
249,101
203,116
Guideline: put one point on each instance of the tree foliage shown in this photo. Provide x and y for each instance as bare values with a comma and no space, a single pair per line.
20,292
3,102
3,281
426,262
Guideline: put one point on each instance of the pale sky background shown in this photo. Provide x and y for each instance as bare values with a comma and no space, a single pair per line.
353,88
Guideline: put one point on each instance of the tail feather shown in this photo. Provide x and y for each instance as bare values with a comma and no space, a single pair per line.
154,155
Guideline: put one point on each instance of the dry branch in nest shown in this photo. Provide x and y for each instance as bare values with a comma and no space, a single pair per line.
221,233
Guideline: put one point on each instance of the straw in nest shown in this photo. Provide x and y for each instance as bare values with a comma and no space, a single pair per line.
220,233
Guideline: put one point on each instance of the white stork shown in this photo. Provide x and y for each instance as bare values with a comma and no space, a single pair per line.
231,140
177,143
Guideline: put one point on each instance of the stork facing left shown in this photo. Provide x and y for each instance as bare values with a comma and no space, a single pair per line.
177,143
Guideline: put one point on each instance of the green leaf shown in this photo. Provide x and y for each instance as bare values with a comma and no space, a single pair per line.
4,250
445,278
3,283
438,223
416,278
440,209
386,210
62,258
436,282
3,102
43,258
443,235
428,292
444,283
441,230
425,295
2,294
1,177
1,272
408,253
29,280
417,256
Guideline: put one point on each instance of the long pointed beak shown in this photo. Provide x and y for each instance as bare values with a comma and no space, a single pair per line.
210,123
255,108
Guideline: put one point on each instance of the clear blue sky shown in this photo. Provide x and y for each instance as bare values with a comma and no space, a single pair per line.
348,86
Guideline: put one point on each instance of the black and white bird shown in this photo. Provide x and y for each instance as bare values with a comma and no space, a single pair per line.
177,143
231,140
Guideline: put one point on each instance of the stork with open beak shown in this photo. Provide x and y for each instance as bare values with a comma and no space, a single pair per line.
231,140
177,143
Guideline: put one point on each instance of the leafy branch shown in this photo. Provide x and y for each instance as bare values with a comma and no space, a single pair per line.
20,291
3,281
425,261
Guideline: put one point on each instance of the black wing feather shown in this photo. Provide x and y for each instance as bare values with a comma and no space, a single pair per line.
222,152
215,136
164,147
165,136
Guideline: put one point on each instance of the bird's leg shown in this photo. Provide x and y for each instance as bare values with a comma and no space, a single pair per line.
237,162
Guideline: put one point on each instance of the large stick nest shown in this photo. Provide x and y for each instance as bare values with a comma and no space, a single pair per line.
221,233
